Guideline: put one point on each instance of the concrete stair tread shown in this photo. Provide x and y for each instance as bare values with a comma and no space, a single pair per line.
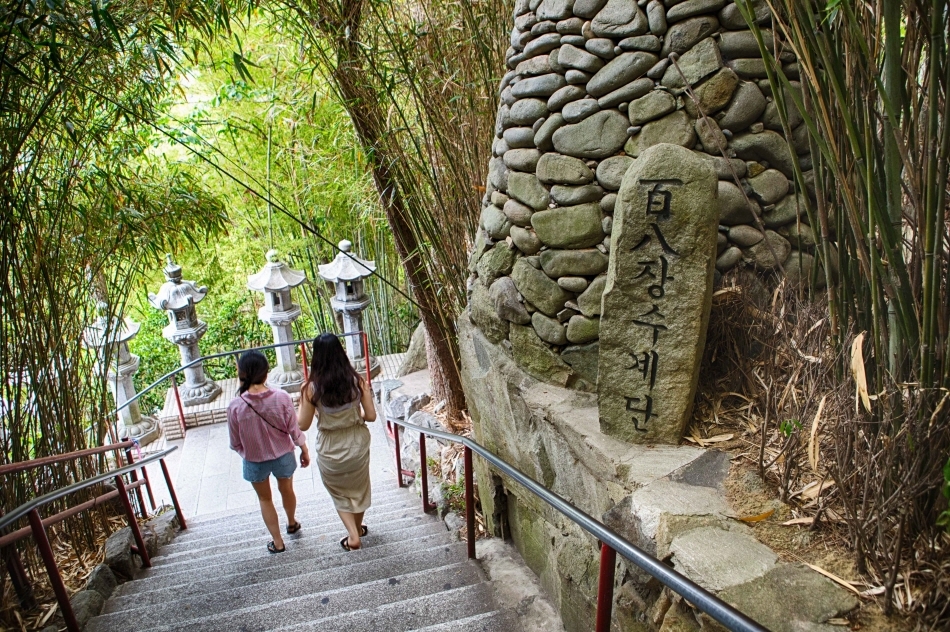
190,575
195,537
428,610
494,621
308,607
309,533
319,544
322,578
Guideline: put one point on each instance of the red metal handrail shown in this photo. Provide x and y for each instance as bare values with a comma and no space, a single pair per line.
22,466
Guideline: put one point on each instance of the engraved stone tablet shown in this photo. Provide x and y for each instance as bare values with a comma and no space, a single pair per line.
656,301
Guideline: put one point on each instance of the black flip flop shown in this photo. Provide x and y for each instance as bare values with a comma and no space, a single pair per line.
345,543
272,548
294,528
363,530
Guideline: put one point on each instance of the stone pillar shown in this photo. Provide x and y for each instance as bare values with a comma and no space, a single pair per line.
116,334
657,295
178,298
276,280
347,272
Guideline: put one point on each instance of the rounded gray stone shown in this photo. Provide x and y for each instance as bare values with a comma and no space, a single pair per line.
570,26
749,68
624,94
554,9
650,107
518,137
517,213
610,171
710,136
745,108
573,284
785,212
602,47
495,262
590,301
619,18
572,57
526,188
768,253
560,169
572,196
569,227
732,19
734,209
620,71
800,235
766,146
584,262
543,44
744,235
770,186
728,259
682,36
588,8
494,222
498,173
650,43
598,136
692,8
734,44
564,96
608,202
656,17
538,288
522,159
527,111
504,296
713,94
799,268
483,314
675,128
550,330
525,240
577,111
544,137
699,62
539,65
581,329
577,77
541,86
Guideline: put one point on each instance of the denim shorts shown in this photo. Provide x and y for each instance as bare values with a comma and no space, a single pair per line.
281,467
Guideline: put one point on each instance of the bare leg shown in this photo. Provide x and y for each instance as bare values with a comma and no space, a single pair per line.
286,488
358,517
352,528
268,511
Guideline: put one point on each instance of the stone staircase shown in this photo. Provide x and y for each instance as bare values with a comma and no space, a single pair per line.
411,574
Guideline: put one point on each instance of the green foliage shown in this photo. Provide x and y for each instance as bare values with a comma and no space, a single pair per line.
789,427
944,519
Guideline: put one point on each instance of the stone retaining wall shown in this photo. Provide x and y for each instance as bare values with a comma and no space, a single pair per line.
590,86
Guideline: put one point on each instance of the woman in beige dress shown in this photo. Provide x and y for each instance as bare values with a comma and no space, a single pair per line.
342,402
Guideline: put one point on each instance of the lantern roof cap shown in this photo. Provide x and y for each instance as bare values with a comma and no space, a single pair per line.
275,276
346,266
176,293
105,331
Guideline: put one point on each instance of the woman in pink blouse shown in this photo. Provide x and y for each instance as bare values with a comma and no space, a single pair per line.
263,428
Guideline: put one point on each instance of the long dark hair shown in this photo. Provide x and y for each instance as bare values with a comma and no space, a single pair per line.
333,380
252,369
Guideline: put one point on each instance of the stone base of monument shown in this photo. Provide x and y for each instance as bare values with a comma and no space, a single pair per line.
666,499
213,412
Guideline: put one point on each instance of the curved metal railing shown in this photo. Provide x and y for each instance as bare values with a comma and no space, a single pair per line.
611,542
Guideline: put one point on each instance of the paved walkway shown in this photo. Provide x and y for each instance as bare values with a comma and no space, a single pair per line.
208,478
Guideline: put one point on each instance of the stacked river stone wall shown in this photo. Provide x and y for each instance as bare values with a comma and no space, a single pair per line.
590,85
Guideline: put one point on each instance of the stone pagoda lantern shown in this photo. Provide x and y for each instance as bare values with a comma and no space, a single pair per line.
112,338
347,272
178,298
275,280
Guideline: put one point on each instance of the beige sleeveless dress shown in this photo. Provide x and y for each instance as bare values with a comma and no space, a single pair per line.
343,456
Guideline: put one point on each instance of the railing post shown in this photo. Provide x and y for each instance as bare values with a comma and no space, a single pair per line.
138,490
181,410
46,552
470,502
398,455
426,505
369,378
605,587
133,523
306,363
171,492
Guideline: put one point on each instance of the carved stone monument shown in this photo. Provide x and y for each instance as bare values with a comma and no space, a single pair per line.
657,296
178,298
104,334
347,272
275,280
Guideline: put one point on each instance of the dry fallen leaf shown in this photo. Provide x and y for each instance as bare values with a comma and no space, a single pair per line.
798,521
758,518
813,447
814,490
857,370
835,578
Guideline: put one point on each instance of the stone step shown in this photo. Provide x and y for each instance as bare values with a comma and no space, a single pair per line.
321,503
319,545
440,607
321,607
332,528
196,539
304,559
495,621
321,577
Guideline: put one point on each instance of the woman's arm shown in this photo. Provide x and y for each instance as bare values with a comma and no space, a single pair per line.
366,402
306,411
